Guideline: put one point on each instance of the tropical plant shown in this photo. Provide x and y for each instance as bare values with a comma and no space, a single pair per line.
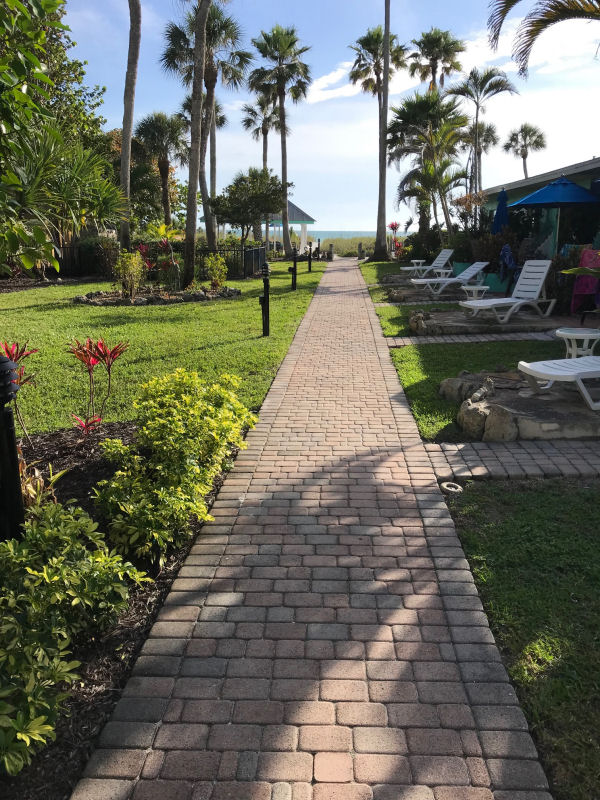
435,57
523,140
260,119
479,87
223,59
90,354
133,53
216,270
16,353
163,138
542,16
284,75
130,270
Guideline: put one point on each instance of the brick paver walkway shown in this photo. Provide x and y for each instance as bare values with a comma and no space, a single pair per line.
324,640
515,336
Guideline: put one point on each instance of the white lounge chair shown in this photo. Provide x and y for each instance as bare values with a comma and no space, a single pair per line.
573,370
438,263
527,292
437,285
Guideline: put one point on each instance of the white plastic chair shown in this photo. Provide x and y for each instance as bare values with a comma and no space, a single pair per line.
420,272
540,375
437,285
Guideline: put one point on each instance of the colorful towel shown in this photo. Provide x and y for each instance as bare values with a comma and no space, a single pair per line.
586,285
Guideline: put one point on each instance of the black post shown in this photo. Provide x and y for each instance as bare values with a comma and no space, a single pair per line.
11,497
264,300
310,256
294,269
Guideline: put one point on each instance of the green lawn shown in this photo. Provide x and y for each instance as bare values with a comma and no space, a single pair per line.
421,368
533,548
379,294
394,319
222,336
375,271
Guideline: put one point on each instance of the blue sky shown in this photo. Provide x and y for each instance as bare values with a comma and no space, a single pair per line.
333,146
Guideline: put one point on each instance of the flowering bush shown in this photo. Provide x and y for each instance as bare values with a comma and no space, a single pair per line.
17,352
90,354
185,431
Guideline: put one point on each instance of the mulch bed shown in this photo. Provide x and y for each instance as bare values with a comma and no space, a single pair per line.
106,662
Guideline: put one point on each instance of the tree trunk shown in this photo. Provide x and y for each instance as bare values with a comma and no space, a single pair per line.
210,81
381,253
265,138
475,163
479,170
525,166
163,170
287,244
424,218
196,123
256,231
133,53
213,156
434,69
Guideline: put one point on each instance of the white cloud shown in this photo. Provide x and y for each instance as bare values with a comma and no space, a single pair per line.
320,88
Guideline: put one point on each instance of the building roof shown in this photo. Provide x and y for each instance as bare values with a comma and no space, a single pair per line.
572,171
296,216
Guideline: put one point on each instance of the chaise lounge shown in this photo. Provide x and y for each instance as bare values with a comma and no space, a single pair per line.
527,292
421,271
438,285
540,375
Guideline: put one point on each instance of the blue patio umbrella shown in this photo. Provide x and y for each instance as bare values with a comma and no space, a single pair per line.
561,193
501,215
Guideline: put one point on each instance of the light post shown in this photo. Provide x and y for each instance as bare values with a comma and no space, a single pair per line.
11,498
294,269
310,256
264,299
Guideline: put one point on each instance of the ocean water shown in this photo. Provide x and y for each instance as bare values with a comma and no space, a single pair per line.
338,234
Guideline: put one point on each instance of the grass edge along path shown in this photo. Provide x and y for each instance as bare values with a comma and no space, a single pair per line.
421,368
375,271
214,338
394,319
533,549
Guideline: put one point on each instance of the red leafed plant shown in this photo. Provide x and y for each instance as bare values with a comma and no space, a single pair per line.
145,253
91,353
17,352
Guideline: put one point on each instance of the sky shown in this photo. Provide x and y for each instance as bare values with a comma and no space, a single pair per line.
332,150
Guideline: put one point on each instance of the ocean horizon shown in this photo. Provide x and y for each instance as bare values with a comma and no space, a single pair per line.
338,234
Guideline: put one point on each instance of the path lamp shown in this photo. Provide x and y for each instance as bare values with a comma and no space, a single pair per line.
310,256
294,269
12,514
264,299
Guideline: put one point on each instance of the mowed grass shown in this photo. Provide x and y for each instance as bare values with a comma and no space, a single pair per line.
216,337
375,271
421,369
533,548
394,319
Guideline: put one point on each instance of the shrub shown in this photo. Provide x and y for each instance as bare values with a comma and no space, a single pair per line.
185,431
130,270
216,270
59,581
169,271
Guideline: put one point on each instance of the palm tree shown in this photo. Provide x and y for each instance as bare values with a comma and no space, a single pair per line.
163,138
522,140
133,53
286,75
224,60
436,54
542,16
199,58
260,119
478,143
378,56
479,87
367,68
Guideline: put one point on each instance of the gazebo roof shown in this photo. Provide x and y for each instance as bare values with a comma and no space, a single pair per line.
296,216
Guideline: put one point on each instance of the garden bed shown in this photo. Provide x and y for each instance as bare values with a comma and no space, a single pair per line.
533,549
451,321
395,320
155,297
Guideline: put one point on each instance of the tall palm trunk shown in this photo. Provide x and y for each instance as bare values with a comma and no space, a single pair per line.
287,242
135,35
210,80
524,155
476,163
163,171
381,252
265,152
213,156
424,218
196,123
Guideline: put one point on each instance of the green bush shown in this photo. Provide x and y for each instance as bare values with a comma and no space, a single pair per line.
130,270
59,581
169,271
216,270
185,432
